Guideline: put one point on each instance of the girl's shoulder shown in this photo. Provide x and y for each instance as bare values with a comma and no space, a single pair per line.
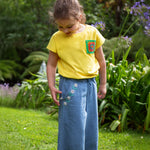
91,28
57,33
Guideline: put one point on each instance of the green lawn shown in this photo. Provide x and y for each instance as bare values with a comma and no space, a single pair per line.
34,130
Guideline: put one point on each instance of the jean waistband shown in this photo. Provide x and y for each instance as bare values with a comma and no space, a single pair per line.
84,80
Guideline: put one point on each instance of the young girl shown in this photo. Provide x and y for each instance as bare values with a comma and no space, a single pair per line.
77,49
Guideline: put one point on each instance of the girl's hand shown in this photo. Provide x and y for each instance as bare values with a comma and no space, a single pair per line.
54,93
102,91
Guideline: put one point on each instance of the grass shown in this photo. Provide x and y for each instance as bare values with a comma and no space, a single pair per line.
6,101
27,130
34,130
123,141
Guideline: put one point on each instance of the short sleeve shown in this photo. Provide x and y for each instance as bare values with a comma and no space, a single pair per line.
52,45
99,39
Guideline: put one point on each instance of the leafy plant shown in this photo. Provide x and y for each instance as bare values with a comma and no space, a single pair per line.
24,28
147,120
119,45
34,60
34,93
127,90
9,69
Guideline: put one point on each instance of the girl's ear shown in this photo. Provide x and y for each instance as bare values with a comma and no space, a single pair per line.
80,17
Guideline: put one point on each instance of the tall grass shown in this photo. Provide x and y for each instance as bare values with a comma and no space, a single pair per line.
8,94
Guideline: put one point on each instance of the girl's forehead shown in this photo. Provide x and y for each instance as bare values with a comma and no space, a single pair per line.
65,22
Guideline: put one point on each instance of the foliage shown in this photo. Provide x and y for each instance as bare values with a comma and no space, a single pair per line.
9,69
117,44
34,60
142,11
120,45
140,15
127,93
25,32
34,93
8,94
6,101
140,41
24,28
147,120
29,29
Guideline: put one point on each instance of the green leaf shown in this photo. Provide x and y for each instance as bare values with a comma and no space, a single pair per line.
127,53
147,120
9,69
124,119
113,57
102,105
114,125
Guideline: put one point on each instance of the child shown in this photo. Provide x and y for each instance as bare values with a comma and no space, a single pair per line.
77,49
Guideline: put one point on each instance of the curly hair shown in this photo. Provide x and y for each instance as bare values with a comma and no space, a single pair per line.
65,9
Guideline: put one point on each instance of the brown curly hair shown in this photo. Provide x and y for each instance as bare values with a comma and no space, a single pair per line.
65,9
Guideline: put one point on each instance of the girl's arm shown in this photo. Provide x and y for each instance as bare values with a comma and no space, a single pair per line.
51,71
102,72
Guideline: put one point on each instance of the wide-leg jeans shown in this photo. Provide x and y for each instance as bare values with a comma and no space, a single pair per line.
78,116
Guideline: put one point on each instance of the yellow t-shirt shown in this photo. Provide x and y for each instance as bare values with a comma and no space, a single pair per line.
76,52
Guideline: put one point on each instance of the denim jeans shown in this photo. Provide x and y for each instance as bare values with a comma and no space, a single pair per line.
78,116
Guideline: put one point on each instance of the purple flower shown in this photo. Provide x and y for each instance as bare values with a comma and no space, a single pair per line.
6,91
100,25
146,14
128,40
92,25
137,3
19,84
147,30
142,11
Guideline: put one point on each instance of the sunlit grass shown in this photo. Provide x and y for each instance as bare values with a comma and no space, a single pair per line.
35,130
123,141
27,129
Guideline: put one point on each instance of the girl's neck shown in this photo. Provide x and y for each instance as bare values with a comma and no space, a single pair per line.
81,28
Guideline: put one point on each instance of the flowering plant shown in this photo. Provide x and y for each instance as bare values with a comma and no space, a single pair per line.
100,25
142,11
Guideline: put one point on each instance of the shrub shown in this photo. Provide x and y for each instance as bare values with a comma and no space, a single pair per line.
117,44
34,93
9,69
126,104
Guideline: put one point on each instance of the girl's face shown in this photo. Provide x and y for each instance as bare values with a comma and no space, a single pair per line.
68,26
